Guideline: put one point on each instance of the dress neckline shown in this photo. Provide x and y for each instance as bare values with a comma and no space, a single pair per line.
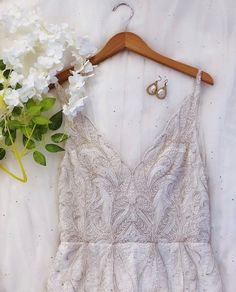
193,95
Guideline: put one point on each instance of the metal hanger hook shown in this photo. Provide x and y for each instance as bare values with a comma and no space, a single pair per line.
131,15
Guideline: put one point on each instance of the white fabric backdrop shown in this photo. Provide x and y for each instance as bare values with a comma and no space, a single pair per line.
201,33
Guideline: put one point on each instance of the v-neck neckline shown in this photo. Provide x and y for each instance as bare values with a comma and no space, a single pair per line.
132,170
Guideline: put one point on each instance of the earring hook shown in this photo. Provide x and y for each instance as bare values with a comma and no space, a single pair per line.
131,15
166,80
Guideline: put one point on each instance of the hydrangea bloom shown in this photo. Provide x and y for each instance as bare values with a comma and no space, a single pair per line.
12,97
38,53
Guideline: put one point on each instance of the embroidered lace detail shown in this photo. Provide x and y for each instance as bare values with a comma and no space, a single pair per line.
136,230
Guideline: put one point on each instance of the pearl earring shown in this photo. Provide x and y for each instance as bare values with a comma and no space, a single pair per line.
153,87
162,92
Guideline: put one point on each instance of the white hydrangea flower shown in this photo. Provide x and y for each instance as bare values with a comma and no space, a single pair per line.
88,67
55,50
12,97
25,93
77,98
13,19
74,106
15,78
12,60
35,84
46,62
38,53
85,47
76,81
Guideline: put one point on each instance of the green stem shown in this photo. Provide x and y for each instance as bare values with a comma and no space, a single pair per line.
25,146
18,158
3,146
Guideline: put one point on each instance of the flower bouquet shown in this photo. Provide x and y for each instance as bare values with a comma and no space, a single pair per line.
29,64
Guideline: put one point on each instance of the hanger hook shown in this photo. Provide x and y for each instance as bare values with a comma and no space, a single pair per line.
131,15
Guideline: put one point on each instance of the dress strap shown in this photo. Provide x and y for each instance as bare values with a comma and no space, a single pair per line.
198,81
195,98
194,125
189,111
197,91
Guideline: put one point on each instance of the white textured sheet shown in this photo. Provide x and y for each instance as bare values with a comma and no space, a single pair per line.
201,33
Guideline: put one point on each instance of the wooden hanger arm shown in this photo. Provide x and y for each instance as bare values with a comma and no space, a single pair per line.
115,45
135,44
181,67
132,42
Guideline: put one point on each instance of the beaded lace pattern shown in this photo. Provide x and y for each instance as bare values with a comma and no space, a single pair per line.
145,229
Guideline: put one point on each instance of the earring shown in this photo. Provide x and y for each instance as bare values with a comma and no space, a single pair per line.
162,92
153,87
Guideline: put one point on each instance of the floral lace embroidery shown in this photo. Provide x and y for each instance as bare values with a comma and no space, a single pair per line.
162,202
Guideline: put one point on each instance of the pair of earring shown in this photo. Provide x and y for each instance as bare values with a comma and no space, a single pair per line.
153,89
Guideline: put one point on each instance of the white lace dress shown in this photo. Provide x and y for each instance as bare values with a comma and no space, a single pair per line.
145,229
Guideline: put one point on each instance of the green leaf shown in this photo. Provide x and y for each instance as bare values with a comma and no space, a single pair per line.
1,86
41,120
16,111
2,153
4,131
59,137
30,142
42,128
34,110
37,135
6,73
56,121
27,131
2,123
31,124
14,124
47,103
53,148
39,131
39,158
2,65
8,139
18,86
30,102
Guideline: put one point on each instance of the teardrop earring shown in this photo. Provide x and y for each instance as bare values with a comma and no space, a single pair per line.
153,87
162,92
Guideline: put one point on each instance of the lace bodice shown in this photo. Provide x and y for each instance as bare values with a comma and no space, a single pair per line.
141,229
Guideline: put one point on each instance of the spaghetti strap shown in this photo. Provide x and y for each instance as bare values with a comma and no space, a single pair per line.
198,82
199,138
197,91
197,96
194,101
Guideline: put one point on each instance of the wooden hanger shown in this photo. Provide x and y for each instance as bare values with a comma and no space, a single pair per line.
132,42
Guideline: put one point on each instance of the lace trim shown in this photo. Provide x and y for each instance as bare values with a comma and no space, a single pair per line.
135,268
